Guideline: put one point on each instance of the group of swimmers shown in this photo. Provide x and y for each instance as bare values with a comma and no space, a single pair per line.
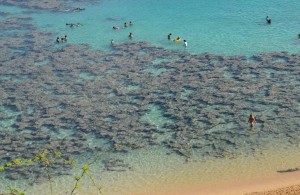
63,39
130,37
78,9
178,39
251,119
125,25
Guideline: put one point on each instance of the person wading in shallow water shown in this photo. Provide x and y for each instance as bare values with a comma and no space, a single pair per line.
185,43
251,120
268,20
130,36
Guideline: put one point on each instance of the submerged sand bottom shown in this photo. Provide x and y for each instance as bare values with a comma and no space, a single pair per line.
157,173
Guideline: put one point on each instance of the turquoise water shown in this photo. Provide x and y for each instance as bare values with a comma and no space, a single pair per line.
219,27
223,27
10,10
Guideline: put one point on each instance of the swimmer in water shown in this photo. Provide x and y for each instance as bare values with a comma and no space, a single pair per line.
177,39
131,23
251,120
130,36
169,36
57,40
299,36
78,9
185,43
73,25
268,20
125,24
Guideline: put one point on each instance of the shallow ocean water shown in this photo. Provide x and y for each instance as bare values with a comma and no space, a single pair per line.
231,28
221,27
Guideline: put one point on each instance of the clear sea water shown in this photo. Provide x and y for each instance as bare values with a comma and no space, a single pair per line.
228,27
221,26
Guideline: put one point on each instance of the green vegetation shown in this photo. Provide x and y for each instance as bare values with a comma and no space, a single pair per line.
13,191
46,158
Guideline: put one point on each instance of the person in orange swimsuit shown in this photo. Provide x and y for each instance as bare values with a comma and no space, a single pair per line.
251,120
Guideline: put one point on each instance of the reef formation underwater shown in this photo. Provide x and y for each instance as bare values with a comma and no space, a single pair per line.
58,97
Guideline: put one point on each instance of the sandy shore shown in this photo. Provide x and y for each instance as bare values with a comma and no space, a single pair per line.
247,175
291,190
277,184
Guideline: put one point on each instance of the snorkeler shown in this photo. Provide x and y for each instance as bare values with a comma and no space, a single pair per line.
251,120
169,36
268,20
78,9
73,25
130,36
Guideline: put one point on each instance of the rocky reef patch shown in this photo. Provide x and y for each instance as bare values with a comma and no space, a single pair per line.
57,97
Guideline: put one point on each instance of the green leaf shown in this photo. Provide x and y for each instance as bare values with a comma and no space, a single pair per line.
85,168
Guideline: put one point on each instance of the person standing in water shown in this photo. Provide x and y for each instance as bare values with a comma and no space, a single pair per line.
251,120
130,36
57,40
268,20
185,43
169,36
